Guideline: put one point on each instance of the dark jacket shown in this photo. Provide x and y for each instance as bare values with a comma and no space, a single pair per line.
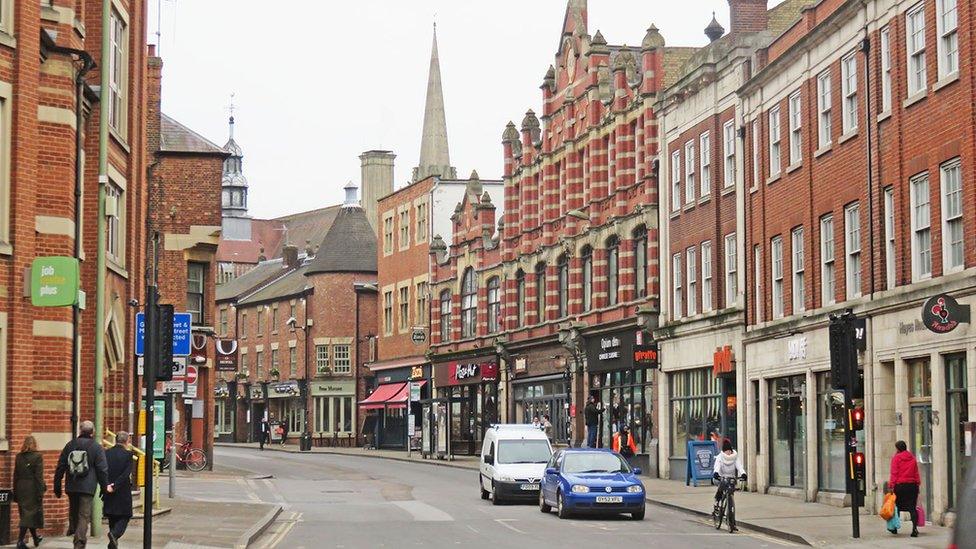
97,468
29,489
591,415
119,502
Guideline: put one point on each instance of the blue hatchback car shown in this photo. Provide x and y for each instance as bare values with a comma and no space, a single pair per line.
591,481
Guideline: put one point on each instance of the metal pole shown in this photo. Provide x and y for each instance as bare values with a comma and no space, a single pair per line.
149,375
406,418
172,455
851,435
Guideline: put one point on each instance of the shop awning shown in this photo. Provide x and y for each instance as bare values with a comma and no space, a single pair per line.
381,396
401,398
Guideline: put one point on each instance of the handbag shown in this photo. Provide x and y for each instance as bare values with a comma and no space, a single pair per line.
894,523
920,515
888,507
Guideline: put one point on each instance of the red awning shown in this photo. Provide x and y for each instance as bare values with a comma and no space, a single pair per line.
382,395
400,400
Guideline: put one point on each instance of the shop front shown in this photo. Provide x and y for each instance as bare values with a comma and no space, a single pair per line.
257,407
225,410
333,411
466,403
543,397
621,367
392,412
285,408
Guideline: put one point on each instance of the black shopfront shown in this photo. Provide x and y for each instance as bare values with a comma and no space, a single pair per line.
621,368
466,404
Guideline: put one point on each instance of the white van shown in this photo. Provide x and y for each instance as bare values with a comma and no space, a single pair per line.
513,462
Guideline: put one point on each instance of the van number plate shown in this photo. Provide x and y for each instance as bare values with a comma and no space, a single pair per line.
609,499
532,487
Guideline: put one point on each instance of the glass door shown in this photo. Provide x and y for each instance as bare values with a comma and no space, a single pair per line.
787,432
921,446
958,407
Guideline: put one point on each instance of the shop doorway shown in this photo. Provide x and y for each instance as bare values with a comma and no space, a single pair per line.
257,414
787,432
921,446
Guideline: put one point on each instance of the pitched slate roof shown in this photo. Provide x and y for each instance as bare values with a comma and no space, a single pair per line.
348,247
175,137
260,274
292,284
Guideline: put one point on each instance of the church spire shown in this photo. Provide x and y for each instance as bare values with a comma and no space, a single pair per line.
435,159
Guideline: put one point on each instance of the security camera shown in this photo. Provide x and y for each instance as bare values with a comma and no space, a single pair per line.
133,303
292,321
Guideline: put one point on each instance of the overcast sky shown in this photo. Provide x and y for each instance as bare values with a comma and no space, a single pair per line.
318,82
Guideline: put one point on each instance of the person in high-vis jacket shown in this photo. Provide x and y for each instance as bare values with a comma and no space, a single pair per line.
623,442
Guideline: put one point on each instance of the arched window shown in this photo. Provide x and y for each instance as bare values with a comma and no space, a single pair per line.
563,264
587,255
494,305
540,292
640,261
613,270
469,303
446,315
520,297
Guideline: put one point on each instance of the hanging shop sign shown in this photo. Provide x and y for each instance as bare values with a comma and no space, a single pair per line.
55,282
257,392
419,335
942,313
722,361
417,372
646,355
226,355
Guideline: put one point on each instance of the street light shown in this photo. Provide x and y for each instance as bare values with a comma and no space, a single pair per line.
572,340
305,444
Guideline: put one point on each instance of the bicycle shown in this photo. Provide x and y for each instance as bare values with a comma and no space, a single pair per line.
725,506
192,458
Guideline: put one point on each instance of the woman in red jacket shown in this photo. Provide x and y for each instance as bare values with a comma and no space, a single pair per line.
904,481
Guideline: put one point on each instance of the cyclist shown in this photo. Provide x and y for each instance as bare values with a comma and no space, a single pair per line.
728,465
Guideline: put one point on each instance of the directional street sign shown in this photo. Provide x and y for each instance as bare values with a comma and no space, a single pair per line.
182,329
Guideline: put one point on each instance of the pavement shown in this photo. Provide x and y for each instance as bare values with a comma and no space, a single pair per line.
782,518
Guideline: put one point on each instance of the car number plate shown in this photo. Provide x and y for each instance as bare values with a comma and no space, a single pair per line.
532,487
609,499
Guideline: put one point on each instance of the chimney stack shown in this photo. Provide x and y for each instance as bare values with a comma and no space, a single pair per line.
376,180
748,15
289,255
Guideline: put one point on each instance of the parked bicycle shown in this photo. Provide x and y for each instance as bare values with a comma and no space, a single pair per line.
725,507
192,458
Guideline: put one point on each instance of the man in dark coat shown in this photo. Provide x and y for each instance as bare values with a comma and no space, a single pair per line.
265,433
83,463
591,416
118,493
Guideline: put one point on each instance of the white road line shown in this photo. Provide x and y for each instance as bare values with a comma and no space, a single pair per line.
286,528
422,512
274,492
505,523
473,529
248,490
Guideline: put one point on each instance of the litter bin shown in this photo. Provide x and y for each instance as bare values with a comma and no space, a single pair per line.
6,496
305,443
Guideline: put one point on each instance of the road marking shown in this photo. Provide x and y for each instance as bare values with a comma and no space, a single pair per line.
505,523
422,512
472,528
274,492
248,490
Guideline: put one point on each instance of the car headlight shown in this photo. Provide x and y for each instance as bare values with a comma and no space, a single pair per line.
580,489
635,489
505,478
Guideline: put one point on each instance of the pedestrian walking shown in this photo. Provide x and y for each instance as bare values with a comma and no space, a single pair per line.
623,442
591,416
546,426
283,433
904,481
117,497
29,488
265,437
83,469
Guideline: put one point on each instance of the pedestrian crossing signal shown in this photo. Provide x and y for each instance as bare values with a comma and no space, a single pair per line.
856,419
857,465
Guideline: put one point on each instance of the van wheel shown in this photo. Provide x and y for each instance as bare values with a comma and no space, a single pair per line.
561,506
481,485
495,500
543,506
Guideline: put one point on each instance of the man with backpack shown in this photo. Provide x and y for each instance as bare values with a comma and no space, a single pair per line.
83,467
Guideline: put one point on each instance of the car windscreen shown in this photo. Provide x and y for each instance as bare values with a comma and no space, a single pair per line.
523,451
594,462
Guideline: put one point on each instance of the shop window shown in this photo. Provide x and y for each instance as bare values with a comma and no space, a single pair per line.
919,379
223,417
341,361
831,450
469,303
640,261
494,305
445,302
563,285
696,408
587,256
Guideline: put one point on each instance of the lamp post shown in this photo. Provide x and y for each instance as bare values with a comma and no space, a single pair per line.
572,340
305,445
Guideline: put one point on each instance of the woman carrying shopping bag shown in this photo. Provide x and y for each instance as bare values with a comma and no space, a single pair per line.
904,481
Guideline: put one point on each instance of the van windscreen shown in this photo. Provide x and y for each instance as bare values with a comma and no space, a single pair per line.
523,451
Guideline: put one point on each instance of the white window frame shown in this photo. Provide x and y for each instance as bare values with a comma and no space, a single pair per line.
828,256
848,83
322,358
676,180
852,250
341,359
706,265
952,199
824,106
886,70
118,67
915,45
705,159
731,270
676,269
921,219
798,264
796,128
757,281
947,23
776,275
755,153
775,142
690,171
889,236
115,225
691,262
6,90
728,151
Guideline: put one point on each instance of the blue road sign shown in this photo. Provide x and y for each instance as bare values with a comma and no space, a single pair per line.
182,334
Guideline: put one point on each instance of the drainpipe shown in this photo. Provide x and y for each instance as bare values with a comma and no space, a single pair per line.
100,257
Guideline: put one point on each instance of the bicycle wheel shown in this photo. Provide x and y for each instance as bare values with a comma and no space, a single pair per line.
196,460
718,513
731,513
164,464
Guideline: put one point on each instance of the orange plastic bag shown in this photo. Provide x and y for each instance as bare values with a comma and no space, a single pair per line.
888,508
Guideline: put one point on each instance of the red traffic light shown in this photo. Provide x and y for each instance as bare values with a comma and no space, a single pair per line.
856,419
859,459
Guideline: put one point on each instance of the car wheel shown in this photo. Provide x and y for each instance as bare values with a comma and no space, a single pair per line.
481,485
495,500
638,515
561,506
543,506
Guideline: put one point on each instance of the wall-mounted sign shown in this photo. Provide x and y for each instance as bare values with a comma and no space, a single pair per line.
942,314
226,360
54,282
334,388
419,335
613,351
466,372
722,361
645,355
182,330
257,392
610,348
417,372
796,348
283,389
521,364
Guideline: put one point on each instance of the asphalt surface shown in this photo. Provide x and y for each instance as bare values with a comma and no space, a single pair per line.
353,502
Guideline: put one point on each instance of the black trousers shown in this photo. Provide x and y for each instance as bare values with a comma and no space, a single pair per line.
117,525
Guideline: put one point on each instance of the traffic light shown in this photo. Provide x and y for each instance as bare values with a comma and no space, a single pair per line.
856,419
842,357
857,465
164,367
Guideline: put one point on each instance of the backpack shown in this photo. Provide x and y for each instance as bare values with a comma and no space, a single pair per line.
78,464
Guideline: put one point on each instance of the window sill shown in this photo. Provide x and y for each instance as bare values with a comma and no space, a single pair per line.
919,95
688,207
116,268
884,116
946,80
851,134
774,178
728,190
7,40
675,214
754,189
823,150
6,249
120,140
793,167
705,199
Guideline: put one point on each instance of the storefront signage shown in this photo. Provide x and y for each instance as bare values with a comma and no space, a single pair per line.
466,372
942,314
54,282
257,392
417,372
723,361
226,355
796,348
610,347
645,355
419,336
521,364
283,389
333,388
608,352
